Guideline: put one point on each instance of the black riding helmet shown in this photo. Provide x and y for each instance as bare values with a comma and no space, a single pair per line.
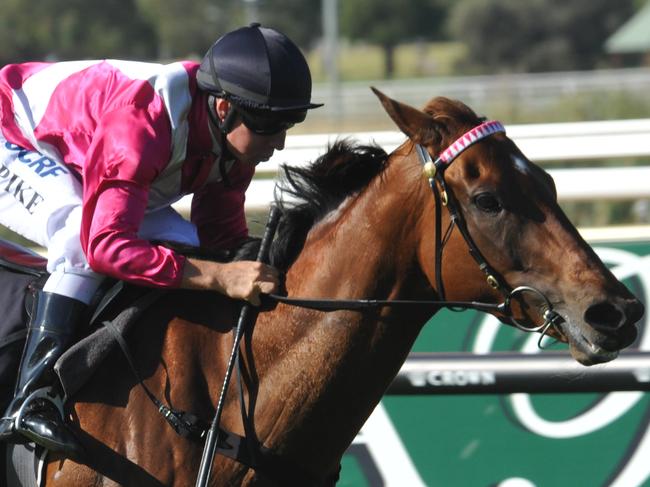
260,71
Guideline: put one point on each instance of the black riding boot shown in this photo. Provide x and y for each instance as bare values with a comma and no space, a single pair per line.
33,412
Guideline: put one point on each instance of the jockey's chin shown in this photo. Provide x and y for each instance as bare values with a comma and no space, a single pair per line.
257,159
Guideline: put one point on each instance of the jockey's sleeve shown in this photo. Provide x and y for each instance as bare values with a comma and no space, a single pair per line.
218,210
130,148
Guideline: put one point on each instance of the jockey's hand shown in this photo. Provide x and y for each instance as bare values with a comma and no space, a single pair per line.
238,280
247,279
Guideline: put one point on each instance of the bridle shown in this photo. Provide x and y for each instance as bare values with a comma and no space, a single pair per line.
434,171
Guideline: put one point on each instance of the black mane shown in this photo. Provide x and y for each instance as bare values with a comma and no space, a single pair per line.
319,188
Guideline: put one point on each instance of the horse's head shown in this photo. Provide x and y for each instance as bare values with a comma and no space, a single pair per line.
507,207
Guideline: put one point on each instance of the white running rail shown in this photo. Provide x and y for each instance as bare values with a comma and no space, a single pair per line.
588,141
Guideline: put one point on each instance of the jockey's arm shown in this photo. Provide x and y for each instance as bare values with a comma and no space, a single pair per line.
218,212
238,280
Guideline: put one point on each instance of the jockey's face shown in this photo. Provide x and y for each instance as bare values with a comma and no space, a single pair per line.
247,146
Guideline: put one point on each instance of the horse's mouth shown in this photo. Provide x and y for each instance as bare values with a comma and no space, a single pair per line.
599,331
587,350
589,353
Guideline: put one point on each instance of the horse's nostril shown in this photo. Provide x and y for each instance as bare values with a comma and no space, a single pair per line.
604,315
635,310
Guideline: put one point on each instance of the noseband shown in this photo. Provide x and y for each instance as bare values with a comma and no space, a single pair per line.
434,171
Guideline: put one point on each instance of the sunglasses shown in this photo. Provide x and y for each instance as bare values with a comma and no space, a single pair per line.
263,123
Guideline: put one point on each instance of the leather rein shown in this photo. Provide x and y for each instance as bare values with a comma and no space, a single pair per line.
434,171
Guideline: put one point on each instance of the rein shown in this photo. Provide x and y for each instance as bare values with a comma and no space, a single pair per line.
360,304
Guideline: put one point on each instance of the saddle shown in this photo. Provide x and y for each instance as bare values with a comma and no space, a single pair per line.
21,259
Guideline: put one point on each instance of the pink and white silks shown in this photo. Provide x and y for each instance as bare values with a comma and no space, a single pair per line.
92,155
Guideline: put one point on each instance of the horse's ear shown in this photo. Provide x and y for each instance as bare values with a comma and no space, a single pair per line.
413,122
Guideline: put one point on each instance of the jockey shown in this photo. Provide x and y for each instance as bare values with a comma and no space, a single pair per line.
92,155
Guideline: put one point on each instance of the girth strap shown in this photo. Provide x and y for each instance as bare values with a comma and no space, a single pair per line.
269,464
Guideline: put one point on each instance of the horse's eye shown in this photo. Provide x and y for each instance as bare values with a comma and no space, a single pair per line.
487,202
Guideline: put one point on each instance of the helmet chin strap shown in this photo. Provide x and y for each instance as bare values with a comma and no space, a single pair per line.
224,127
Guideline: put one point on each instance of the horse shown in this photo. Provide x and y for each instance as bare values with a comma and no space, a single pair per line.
482,226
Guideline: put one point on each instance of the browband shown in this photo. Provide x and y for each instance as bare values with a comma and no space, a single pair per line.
477,133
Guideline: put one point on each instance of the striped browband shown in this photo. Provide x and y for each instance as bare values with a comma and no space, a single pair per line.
477,133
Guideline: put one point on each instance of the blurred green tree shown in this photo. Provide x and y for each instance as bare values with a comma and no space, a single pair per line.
536,35
187,29
299,19
388,23
73,29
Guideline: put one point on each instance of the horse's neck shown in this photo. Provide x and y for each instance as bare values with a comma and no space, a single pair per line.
362,248
325,372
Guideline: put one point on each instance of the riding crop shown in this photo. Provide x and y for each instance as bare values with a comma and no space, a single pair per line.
246,316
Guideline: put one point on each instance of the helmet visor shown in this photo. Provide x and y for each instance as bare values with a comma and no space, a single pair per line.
265,122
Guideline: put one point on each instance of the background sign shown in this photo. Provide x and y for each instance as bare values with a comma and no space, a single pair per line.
511,440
